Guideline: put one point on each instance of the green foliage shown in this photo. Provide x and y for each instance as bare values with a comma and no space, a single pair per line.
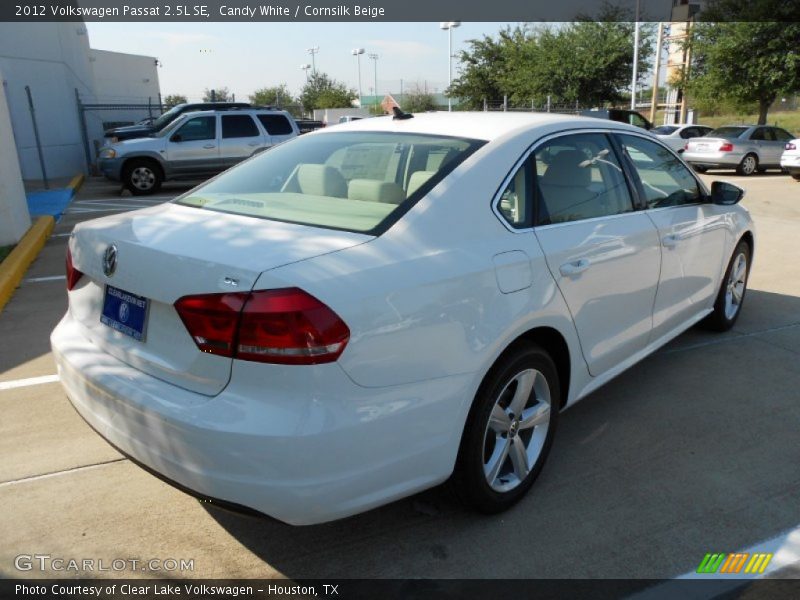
221,94
588,62
418,100
743,65
173,100
277,95
321,91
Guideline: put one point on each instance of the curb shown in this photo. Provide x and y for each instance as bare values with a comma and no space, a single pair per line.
13,268
76,183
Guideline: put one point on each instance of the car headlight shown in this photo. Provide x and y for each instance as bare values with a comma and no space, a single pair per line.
108,153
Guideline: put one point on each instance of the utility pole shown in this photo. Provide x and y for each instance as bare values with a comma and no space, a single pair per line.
656,73
635,58
313,52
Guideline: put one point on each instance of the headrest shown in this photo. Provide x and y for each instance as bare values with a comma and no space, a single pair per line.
374,190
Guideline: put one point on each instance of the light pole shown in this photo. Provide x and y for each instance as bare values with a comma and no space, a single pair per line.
449,26
357,52
375,58
313,52
305,70
635,58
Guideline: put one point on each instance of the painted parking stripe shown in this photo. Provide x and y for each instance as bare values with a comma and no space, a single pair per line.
60,473
44,279
20,383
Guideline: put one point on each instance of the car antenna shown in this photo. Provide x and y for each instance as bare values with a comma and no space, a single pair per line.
399,115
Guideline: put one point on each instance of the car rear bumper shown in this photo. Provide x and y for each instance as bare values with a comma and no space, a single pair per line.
726,160
308,447
791,163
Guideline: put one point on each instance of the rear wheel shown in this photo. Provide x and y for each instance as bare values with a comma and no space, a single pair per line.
142,177
509,431
732,291
748,166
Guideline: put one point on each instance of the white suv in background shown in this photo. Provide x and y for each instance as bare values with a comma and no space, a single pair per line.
194,146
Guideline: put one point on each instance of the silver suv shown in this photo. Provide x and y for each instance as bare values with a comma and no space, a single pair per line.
195,145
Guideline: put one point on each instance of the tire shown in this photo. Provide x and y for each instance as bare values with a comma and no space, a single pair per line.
700,169
142,177
748,166
796,176
730,298
500,454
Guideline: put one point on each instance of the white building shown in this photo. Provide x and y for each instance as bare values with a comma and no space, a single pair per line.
53,60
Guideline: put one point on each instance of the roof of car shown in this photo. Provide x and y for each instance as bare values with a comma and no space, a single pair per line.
476,125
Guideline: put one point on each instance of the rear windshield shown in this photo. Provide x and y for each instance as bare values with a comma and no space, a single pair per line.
354,181
665,130
727,132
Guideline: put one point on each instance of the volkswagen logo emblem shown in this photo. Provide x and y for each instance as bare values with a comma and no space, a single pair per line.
110,260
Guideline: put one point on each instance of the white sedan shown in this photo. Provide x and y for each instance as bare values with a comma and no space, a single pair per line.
373,309
677,136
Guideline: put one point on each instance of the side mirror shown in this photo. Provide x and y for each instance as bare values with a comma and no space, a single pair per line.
175,138
725,193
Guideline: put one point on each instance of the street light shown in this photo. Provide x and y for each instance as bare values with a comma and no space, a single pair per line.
635,58
357,52
375,58
305,69
313,51
449,26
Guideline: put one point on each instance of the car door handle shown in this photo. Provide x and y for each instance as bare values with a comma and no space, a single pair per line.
670,241
254,144
574,267
209,146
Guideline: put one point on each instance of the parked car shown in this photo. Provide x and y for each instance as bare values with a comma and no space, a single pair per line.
675,136
621,115
746,148
369,311
195,145
308,125
144,129
790,159
349,118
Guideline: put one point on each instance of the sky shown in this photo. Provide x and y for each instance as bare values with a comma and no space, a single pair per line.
246,56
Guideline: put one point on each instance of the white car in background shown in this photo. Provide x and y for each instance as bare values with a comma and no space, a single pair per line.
675,136
790,159
375,308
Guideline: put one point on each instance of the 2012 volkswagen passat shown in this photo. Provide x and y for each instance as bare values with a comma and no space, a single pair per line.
368,311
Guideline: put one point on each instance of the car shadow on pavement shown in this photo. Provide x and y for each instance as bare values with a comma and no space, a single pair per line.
691,451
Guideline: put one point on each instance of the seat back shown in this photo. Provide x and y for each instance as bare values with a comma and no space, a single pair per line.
374,190
565,188
321,180
418,179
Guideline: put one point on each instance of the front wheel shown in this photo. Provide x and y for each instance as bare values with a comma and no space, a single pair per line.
748,166
509,431
731,294
142,177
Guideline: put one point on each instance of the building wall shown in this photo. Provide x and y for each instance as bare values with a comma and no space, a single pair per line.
54,60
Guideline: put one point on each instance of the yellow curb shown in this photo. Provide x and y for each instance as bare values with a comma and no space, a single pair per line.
76,183
13,268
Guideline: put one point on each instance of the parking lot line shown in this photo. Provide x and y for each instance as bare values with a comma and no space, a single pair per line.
18,383
43,279
60,473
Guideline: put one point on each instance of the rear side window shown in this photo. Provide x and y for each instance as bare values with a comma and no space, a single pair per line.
355,181
578,177
782,135
238,126
513,204
665,179
727,132
276,124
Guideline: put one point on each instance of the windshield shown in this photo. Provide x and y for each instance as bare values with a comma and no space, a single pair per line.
355,181
727,132
665,130
167,117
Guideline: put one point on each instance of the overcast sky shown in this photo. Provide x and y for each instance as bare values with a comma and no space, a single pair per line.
246,56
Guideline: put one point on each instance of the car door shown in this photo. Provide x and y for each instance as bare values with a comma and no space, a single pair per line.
193,149
241,138
277,127
603,254
691,233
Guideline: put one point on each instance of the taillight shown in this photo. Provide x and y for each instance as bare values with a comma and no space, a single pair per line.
285,326
790,146
726,147
686,147
73,275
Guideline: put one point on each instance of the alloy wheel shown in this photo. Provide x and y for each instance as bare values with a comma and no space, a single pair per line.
735,286
143,178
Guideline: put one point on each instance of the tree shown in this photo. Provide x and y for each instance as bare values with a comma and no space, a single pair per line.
746,62
587,61
277,95
418,100
220,94
173,100
323,92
